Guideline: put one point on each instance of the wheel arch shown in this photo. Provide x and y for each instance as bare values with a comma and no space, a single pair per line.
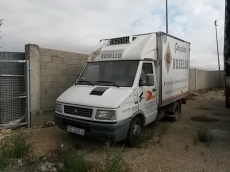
141,115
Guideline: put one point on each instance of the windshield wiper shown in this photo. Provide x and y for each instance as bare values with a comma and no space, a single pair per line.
86,81
109,82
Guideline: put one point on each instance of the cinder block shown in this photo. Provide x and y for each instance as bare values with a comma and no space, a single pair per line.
51,103
43,78
68,60
42,65
66,72
62,78
43,88
56,72
56,59
72,67
45,72
42,51
65,85
63,66
52,78
59,72
51,65
54,85
77,72
53,72
53,91
43,102
72,78
61,90
45,58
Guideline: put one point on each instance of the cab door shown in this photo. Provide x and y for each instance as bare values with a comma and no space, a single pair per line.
147,94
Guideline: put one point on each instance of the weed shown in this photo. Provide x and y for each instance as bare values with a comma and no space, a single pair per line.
74,162
114,161
204,135
12,146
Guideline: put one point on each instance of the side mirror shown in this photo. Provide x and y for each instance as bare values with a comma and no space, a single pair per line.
150,80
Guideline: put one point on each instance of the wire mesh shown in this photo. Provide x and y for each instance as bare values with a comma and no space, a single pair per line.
12,91
11,109
12,87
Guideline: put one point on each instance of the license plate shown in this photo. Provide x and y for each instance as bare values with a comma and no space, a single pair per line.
76,130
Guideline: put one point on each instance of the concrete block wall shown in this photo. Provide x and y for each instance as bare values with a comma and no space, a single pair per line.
52,72
58,71
192,79
202,79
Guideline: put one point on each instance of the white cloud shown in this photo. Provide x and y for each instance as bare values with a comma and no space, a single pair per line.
77,25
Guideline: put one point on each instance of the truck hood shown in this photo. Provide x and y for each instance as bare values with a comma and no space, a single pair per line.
113,97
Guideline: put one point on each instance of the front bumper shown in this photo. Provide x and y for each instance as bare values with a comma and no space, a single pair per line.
111,131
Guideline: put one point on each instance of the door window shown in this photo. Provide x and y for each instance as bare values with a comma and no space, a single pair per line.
147,68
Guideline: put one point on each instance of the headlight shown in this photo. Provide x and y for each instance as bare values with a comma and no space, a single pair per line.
58,108
105,115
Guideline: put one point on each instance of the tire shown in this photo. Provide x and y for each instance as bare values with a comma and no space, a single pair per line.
134,133
177,112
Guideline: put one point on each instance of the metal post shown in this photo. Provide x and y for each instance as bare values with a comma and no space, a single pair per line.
218,53
27,74
166,16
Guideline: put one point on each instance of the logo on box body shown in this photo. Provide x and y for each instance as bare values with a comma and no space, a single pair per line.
180,49
111,55
168,58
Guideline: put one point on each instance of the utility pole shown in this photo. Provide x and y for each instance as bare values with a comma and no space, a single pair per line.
0,26
166,16
218,53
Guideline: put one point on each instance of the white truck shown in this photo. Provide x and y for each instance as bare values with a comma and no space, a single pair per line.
127,83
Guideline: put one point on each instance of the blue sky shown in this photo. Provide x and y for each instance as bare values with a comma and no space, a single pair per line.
77,25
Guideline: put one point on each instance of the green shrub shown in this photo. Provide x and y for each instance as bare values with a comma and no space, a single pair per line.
14,145
74,162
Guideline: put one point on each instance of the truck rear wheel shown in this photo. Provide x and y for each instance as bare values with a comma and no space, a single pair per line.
177,112
134,133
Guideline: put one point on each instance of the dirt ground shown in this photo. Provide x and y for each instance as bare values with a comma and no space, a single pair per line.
171,147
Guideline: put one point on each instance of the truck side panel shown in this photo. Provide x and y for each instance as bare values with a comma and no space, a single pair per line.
175,64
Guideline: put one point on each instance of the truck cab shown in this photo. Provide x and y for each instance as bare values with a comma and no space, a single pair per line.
119,91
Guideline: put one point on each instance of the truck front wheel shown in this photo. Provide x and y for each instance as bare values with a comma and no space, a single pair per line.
134,133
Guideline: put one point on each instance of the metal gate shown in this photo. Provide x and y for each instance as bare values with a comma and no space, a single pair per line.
14,93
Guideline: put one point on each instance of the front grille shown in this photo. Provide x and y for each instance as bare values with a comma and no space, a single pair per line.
78,111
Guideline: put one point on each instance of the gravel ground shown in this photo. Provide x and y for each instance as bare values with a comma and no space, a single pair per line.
171,147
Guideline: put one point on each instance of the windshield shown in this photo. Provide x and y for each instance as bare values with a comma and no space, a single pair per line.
114,73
